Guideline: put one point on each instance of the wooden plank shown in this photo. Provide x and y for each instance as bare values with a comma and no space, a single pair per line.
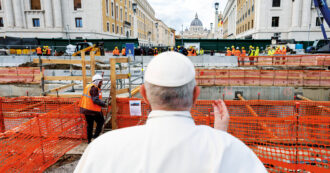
65,95
122,76
122,60
59,61
135,90
29,107
66,78
92,54
113,93
59,88
122,91
83,68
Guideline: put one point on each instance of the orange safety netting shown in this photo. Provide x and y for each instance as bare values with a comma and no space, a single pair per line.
240,77
287,60
286,135
38,131
26,75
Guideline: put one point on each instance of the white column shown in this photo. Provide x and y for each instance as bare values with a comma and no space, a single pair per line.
306,14
57,13
48,13
9,21
18,11
296,13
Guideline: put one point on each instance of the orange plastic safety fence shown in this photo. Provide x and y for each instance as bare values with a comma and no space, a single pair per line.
287,60
287,136
39,130
241,77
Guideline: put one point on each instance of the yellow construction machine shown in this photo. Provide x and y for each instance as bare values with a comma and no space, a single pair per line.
98,48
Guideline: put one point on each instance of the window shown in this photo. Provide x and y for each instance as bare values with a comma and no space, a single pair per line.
79,23
125,16
121,14
108,26
117,29
107,7
36,22
249,26
112,13
117,12
35,4
0,6
113,28
76,4
276,3
252,24
121,30
1,22
318,21
275,21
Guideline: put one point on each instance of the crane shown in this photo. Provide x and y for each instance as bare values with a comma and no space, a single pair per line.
321,46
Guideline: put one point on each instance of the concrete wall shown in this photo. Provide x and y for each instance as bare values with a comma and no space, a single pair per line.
15,90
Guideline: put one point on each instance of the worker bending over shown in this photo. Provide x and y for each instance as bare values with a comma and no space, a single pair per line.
115,52
170,141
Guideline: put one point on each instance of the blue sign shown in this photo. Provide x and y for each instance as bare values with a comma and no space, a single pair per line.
130,50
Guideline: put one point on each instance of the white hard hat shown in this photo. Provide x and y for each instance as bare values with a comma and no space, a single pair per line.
170,69
97,77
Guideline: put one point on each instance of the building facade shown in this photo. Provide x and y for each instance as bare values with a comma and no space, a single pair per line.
263,19
196,30
78,19
229,17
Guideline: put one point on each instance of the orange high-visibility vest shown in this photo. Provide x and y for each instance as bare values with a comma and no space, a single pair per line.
39,52
86,100
194,52
190,53
243,53
115,52
228,53
123,52
48,51
237,52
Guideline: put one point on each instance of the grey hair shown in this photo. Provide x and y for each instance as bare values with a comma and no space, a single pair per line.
171,97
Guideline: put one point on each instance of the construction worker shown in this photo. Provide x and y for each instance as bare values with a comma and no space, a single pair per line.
155,52
91,104
170,141
49,51
256,53
242,57
201,51
39,51
237,52
194,52
44,50
228,53
283,52
251,55
123,51
277,53
270,51
232,50
115,52
190,53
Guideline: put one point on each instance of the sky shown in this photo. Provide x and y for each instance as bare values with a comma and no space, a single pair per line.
174,13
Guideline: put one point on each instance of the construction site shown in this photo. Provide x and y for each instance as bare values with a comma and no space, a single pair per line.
280,110
278,101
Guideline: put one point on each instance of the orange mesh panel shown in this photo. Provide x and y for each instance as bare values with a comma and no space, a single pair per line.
39,130
285,135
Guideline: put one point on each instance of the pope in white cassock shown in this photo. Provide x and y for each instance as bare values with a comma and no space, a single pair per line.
170,141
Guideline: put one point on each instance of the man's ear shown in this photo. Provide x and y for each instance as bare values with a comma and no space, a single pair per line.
196,93
144,94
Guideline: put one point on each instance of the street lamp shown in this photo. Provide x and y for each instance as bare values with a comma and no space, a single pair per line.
216,5
134,5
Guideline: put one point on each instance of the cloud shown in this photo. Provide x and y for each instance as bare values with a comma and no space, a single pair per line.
176,13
